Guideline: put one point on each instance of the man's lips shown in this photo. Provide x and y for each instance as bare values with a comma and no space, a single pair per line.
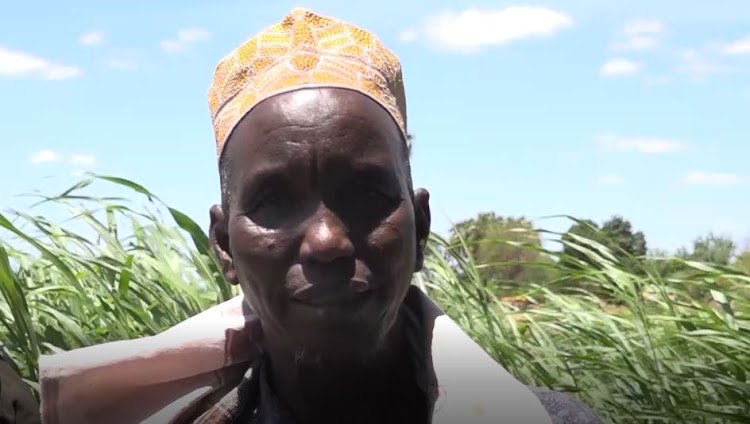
332,294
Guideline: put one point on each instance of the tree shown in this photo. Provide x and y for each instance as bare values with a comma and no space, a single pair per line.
712,249
587,229
616,234
657,260
743,262
620,232
489,239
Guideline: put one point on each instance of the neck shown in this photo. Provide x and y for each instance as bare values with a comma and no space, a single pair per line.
335,388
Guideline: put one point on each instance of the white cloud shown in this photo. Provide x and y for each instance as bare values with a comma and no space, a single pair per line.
82,160
639,35
172,46
644,145
469,30
44,156
740,47
699,177
408,35
660,80
57,72
640,27
190,35
184,38
635,44
18,64
610,180
620,67
93,38
120,63
697,66
125,59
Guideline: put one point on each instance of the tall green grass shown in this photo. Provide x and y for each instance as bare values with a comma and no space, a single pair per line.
113,269
634,343
652,353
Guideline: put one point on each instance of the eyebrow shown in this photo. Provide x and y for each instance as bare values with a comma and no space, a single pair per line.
374,171
276,174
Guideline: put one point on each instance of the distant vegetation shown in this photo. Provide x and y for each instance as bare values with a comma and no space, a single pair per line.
640,336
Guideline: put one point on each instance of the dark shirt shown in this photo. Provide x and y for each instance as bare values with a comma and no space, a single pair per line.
254,401
268,409
17,403
562,408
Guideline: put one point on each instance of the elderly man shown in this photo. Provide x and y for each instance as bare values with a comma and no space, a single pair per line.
322,230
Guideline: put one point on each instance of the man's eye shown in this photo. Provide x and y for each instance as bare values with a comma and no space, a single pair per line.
268,200
274,208
373,197
370,193
271,199
367,205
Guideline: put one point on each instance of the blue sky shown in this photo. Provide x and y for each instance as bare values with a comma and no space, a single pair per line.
588,108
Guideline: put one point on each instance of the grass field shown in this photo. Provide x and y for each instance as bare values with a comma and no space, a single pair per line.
119,268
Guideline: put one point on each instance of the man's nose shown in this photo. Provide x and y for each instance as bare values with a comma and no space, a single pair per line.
326,239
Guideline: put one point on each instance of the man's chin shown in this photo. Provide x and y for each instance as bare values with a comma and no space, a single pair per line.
339,347
321,326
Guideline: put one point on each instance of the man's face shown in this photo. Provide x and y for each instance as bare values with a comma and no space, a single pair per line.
322,233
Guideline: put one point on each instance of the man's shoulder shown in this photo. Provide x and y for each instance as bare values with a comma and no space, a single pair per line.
565,409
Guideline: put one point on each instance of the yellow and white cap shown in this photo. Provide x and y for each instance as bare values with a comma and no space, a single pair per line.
304,50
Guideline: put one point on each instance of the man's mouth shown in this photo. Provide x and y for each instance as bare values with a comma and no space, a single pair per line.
356,292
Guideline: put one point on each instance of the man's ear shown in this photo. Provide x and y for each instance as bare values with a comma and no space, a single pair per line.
422,220
219,239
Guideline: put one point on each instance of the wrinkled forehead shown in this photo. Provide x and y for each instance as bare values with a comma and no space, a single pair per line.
336,124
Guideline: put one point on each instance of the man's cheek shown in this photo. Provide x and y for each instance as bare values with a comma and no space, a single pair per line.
262,300
390,239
